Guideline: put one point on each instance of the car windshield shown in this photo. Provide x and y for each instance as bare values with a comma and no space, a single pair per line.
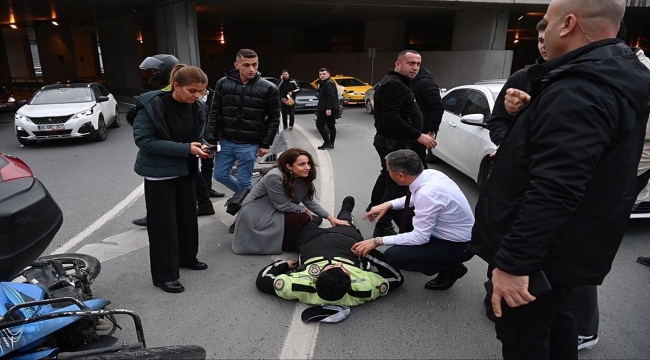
62,96
306,85
350,82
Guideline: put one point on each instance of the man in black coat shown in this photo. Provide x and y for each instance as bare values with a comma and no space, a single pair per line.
288,87
327,110
563,182
427,96
398,121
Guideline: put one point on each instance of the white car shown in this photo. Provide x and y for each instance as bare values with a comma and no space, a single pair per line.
464,138
67,111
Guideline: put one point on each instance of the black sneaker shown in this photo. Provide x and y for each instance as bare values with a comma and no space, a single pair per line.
326,147
216,194
204,209
384,232
348,204
140,222
290,128
587,342
231,229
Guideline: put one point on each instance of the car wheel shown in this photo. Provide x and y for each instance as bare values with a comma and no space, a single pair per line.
369,108
430,157
484,173
26,142
101,129
116,122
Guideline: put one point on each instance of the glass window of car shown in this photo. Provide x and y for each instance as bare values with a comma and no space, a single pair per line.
62,96
454,100
477,104
102,90
306,85
350,82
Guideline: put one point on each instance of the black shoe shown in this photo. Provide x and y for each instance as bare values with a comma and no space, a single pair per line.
290,128
326,147
140,222
204,209
643,260
348,204
170,286
447,278
231,229
216,194
196,266
384,232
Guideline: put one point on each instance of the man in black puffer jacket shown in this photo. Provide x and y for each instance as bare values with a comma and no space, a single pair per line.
427,96
244,117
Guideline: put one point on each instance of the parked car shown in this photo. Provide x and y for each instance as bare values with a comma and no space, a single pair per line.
29,216
67,111
353,91
8,101
307,97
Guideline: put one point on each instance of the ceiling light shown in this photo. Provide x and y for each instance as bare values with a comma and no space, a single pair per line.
55,23
516,41
13,26
521,17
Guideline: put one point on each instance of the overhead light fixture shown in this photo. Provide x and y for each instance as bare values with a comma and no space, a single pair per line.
13,26
55,23
521,17
516,41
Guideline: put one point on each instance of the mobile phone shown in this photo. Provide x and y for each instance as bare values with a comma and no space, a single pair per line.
213,149
537,284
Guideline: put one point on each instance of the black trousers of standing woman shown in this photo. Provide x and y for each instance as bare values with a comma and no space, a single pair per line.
171,225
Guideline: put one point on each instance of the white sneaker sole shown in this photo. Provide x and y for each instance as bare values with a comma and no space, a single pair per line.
588,344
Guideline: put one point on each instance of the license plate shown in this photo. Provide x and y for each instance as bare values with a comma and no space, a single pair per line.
51,127
4,105
311,104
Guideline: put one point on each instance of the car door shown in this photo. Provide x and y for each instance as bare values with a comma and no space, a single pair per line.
467,139
111,104
453,103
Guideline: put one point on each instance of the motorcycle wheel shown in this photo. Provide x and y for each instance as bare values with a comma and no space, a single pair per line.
87,263
180,352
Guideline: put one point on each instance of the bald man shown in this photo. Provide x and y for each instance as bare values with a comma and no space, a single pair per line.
555,207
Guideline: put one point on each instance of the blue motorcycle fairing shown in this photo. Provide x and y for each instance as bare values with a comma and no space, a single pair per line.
26,337
36,355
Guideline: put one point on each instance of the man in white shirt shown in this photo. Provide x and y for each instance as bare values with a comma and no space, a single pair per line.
439,231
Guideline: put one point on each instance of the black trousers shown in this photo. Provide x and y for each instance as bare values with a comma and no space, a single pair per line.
430,258
172,226
584,306
326,126
421,150
203,186
542,329
385,188
288,110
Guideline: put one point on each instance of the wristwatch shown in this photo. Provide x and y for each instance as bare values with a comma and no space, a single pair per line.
377,240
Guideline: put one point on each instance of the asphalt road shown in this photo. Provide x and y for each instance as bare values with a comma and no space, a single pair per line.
221,309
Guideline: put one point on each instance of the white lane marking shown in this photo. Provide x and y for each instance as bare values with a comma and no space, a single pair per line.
301,337
115,211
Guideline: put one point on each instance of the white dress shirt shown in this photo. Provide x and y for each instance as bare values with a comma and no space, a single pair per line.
441,210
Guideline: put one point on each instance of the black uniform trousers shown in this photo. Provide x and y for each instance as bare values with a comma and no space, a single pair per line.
326,126
288,110
204,184
542,329
421,150
172,226
385,188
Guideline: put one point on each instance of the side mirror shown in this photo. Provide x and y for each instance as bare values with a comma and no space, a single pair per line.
102,98
473,119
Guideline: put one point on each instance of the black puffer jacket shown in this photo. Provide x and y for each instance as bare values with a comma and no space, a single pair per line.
397,116
563,181
244,114
427,96
328,96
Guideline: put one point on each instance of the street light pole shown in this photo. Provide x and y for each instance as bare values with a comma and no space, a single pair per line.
372,52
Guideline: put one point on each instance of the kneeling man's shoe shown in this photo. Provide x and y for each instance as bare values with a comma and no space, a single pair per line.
447,278
170,286
196,266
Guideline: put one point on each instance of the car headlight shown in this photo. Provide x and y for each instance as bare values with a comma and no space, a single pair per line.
83,113
11,99
21,117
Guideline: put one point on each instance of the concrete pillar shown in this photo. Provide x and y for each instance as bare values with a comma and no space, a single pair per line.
18,54
56,52
385,35
5,71
480,30
177,32
120,52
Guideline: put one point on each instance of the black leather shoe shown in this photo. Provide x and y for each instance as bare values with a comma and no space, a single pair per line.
643,260
196,266
326,147
204,209
447,278
140,222
216,194
170,286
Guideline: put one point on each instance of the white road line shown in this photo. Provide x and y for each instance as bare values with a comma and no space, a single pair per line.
115,211
301,337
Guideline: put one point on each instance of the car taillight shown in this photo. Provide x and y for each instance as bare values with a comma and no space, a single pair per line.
14,169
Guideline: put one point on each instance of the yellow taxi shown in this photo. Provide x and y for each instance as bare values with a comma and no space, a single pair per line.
352,89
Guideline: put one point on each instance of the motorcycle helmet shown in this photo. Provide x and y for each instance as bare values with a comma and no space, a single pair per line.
163,63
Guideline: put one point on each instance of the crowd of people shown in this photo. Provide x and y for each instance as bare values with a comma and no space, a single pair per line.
570,131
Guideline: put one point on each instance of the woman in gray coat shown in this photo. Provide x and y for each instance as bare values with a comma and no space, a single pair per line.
272,211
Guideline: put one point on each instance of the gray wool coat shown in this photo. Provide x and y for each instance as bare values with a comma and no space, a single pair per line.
259,228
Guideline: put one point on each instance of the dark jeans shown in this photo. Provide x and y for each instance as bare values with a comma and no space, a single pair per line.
584,305
287,110
207,170
385,188
542,329
326,126
430,258
172,226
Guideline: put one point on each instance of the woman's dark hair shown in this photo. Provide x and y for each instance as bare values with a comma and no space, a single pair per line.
185,75
333,284
289,157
